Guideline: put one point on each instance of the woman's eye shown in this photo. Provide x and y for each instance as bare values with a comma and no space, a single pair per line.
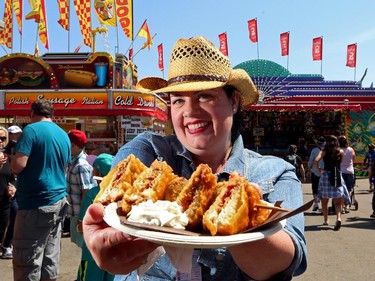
176,101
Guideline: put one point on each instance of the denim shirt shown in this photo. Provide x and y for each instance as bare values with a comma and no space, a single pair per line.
275,176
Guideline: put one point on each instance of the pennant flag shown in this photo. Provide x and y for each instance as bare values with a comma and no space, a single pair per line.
7,31
351,55
36,51
124,11
253,30
76,50
284,41
160,57
105,11
223,43
130,53
145,33
17,7
42,25
317,49
35,11
83,10
64,13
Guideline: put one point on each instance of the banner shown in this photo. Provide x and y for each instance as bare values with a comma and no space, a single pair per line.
64,13
284,41
145,33
160,57
253,30
130,53
223,43
105,11
35,10
351,56
17,7
83,10
6,33
124,11
42,25
317,49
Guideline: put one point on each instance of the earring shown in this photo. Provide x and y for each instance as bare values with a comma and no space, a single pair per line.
234,109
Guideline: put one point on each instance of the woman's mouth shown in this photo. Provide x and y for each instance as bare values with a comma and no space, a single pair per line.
196,126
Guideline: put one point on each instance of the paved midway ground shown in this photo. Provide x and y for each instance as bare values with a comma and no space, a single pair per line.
347,254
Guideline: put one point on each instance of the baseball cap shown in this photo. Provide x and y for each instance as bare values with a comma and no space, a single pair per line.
103,163
77,137
14,129
321,140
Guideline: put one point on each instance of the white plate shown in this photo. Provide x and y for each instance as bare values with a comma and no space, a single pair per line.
187,241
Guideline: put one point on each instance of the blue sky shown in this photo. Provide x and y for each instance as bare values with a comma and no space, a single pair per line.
339,22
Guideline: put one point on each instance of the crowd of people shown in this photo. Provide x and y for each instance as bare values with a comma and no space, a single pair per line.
52,177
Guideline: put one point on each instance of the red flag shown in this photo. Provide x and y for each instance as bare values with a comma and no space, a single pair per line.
160,57
351,56
317,49
223,43
284,41
130,53
253,30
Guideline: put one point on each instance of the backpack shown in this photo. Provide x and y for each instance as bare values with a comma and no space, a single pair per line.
292,159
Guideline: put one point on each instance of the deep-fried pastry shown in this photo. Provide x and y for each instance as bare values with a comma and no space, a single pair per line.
233,210
150,184
119,179
196,196
229,214
174,188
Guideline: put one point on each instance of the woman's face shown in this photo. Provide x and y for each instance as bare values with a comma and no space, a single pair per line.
203,120
3,139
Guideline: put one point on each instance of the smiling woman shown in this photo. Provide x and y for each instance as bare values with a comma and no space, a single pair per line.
207,96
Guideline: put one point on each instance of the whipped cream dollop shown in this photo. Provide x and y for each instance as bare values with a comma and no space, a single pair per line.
160,213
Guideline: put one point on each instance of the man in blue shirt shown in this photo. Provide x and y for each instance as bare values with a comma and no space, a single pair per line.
42,153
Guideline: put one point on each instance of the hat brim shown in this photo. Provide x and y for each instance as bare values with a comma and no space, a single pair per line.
238,79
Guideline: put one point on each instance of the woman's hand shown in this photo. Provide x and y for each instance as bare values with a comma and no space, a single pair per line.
113,250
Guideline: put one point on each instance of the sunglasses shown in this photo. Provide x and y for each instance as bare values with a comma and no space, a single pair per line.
3,139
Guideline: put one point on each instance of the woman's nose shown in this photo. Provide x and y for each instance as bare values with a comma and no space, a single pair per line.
191,108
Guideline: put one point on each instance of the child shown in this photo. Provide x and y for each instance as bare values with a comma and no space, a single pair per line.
88,270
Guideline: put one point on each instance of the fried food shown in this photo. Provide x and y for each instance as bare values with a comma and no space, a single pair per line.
196,196
233,210
150,184
119,179
174,188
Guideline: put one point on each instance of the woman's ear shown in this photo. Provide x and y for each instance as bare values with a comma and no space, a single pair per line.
235,101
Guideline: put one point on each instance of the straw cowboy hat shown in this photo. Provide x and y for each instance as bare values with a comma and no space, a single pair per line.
196,65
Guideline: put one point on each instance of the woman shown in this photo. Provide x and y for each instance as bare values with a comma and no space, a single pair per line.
329,188
294,159
347,168
368,159
7,191
206,98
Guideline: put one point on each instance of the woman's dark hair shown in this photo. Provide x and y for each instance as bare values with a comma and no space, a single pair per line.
343,141
332,149
42,107
237,117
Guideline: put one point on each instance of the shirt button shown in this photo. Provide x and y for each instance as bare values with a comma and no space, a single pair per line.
220,256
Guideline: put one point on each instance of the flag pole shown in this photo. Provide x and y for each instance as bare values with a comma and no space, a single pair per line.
132,43
143,47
